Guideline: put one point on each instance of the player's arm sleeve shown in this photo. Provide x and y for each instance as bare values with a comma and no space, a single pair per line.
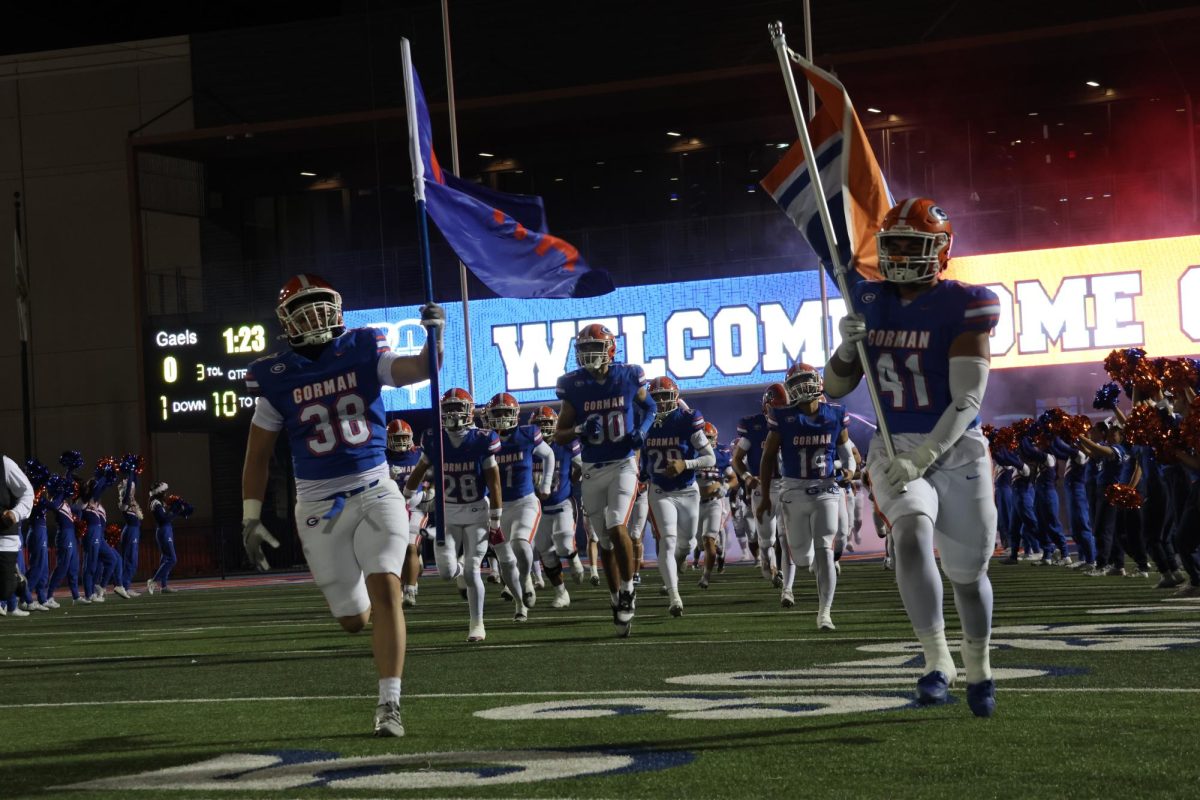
705,455
968,381
643,401
383,367
545,454
846,452
266,416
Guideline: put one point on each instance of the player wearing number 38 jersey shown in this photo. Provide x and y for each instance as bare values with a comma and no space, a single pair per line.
324,390
927,343
598,406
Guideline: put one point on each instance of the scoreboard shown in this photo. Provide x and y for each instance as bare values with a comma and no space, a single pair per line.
196,375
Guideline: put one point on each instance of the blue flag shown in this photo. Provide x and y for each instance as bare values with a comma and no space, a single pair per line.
501,237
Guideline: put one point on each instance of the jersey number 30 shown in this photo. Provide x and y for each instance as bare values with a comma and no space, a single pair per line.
349,425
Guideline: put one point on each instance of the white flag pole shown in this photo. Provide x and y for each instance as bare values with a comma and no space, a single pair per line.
777,39
462,268
826,320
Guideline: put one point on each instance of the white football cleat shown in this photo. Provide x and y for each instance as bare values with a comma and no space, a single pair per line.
387,720
119,591
703,584
787,599
521,614
410,598
561,598
476,633
676,608
530,596
595,579
538,581
576,569
151,586
824,623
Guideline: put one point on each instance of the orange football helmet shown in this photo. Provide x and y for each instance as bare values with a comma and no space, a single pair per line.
310,310
457,408
399,436
914,241
545,418
503,412
666,395
803,383
595,347
776,396
710,431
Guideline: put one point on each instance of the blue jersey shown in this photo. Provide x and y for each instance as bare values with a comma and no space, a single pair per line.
463,463
613,401
331,407
401,465
716,473
908,346
753,431
670,439
516,461
1047,477
808,442
564,455
1116,469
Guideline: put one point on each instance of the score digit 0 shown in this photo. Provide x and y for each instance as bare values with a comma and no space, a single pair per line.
170,369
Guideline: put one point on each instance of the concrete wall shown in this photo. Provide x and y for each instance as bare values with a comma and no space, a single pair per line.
64,120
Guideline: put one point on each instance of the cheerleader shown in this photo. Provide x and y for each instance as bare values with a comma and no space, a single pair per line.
164,514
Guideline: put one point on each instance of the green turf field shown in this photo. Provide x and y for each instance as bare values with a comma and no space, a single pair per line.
254,692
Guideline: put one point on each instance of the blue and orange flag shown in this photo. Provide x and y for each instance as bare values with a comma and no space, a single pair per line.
501,237
854,187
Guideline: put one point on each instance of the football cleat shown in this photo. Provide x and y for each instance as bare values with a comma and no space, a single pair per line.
576,570
703,583
676,608
824,623
623,627
787,599
625,606
520,614
461,581
981,698
539,582
410,598
777,581
387,720
506,595
476,633
637,579
663,591
529,596
561,598
720,563
595,578
933,688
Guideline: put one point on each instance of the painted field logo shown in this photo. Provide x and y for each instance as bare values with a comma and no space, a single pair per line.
696,707
298,769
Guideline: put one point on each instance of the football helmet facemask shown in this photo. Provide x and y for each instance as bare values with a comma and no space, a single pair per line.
310,310
595,347
914,242
803,383
503,412
457,408
399,436
666,396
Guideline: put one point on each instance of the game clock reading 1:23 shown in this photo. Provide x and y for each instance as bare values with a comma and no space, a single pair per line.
196,374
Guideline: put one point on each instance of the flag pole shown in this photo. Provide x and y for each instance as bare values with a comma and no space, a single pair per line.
826,319
431,332
839,272
22,287
462,268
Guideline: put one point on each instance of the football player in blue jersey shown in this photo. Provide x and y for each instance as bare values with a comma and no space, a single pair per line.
599,403
927,343
402,458
747,455
715,480
474,505
808,437
676,447
324,389
520,445
555,536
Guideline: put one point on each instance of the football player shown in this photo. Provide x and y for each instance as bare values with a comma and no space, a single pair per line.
675,448
555,536
519,446
747,455
474,505
599,403
402,458
324,389
715,480
927,343
808,437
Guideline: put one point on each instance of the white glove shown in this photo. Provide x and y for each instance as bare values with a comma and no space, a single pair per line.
907,467
254,535
853,329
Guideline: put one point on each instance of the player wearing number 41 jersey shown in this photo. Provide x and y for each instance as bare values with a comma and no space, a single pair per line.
927,343
471,483
324,390
599,401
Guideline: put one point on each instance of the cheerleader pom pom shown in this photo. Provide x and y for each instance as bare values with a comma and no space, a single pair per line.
1122,495
71,460
38,473
1106,397
132,464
